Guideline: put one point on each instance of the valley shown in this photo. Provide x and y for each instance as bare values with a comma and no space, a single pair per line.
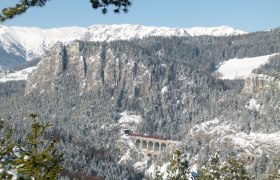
203,89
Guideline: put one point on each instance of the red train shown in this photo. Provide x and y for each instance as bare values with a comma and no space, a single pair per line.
131,133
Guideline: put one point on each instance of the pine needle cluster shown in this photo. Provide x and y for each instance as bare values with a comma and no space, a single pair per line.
178,168
231,169
23,5
39,159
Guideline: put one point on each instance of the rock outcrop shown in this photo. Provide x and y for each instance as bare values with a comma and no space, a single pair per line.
259,82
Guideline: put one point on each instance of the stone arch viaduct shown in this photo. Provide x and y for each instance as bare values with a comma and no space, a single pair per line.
150,145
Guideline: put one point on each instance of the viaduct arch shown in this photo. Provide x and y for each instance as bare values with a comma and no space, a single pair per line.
149,144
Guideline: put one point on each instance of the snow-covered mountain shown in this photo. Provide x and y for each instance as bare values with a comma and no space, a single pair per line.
19,44
127,31
35,41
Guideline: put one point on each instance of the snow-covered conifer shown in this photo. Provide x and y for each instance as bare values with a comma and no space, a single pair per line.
178,168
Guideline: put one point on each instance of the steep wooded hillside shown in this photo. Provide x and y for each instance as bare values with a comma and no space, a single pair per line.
170,82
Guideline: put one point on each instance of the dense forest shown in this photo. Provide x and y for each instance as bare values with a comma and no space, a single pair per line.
171,82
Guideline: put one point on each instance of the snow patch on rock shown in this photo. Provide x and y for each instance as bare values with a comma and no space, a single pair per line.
257,142
126,118
253,105
164,90
140,166
217,132
213,127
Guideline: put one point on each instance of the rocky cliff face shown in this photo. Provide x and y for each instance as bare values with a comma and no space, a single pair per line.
256,83
126,77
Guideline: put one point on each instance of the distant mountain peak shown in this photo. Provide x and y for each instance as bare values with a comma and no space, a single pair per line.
130,31
215,31
26,43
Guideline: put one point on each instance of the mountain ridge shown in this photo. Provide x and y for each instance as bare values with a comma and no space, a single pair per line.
27,43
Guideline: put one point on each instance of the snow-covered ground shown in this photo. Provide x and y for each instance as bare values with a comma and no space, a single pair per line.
221,132
256,142
241,68
126,118
16,76
213,128
162,169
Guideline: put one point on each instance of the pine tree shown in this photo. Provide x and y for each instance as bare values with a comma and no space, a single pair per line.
229,170
7,154
40,160
212,170
178,168
234,169
22,6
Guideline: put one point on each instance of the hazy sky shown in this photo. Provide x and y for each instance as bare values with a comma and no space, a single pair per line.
247,15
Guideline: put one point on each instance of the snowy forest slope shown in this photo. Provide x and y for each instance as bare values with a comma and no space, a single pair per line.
171,83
